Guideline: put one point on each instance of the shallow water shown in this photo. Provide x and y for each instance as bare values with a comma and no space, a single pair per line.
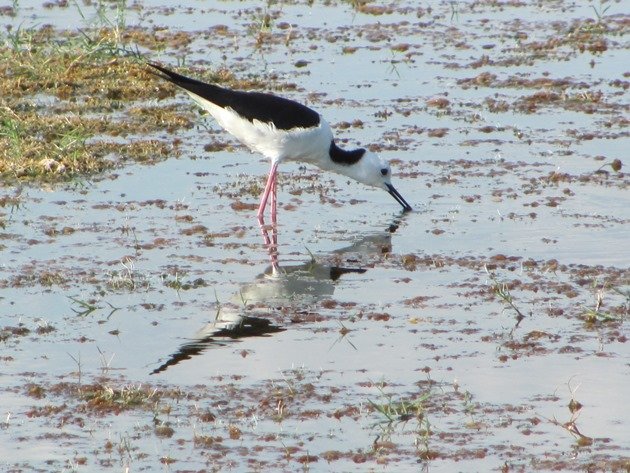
422,318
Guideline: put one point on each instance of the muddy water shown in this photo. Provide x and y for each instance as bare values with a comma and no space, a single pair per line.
384,343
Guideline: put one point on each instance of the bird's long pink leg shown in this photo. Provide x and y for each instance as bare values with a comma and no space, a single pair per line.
269,187
273,204
270,243
273,253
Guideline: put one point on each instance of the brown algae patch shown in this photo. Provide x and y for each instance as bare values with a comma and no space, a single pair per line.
431,421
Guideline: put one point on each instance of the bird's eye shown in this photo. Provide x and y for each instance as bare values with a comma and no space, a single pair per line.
384,171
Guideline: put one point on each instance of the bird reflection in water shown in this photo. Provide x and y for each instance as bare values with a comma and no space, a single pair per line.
292,286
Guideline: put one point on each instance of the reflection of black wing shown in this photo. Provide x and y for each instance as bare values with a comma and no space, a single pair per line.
220,333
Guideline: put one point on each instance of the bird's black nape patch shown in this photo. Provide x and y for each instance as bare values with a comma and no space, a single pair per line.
343,157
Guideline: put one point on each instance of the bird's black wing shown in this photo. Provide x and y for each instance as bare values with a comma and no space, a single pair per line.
285,114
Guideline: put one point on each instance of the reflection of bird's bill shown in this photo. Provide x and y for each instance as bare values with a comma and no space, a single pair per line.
368,246
399,198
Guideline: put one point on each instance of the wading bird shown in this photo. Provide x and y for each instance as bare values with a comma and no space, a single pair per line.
283,130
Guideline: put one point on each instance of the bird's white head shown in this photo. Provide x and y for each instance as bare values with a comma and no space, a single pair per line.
373,170
363,166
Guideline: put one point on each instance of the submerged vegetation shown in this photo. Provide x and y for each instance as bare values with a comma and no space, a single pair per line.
66,96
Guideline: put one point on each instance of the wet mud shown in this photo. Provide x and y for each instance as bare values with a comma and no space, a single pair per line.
142,328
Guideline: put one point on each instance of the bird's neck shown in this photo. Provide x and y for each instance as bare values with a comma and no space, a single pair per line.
342,157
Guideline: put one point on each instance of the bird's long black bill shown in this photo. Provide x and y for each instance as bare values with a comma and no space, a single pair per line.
399,198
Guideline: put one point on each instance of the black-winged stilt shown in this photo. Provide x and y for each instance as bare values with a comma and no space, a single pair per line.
283,130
